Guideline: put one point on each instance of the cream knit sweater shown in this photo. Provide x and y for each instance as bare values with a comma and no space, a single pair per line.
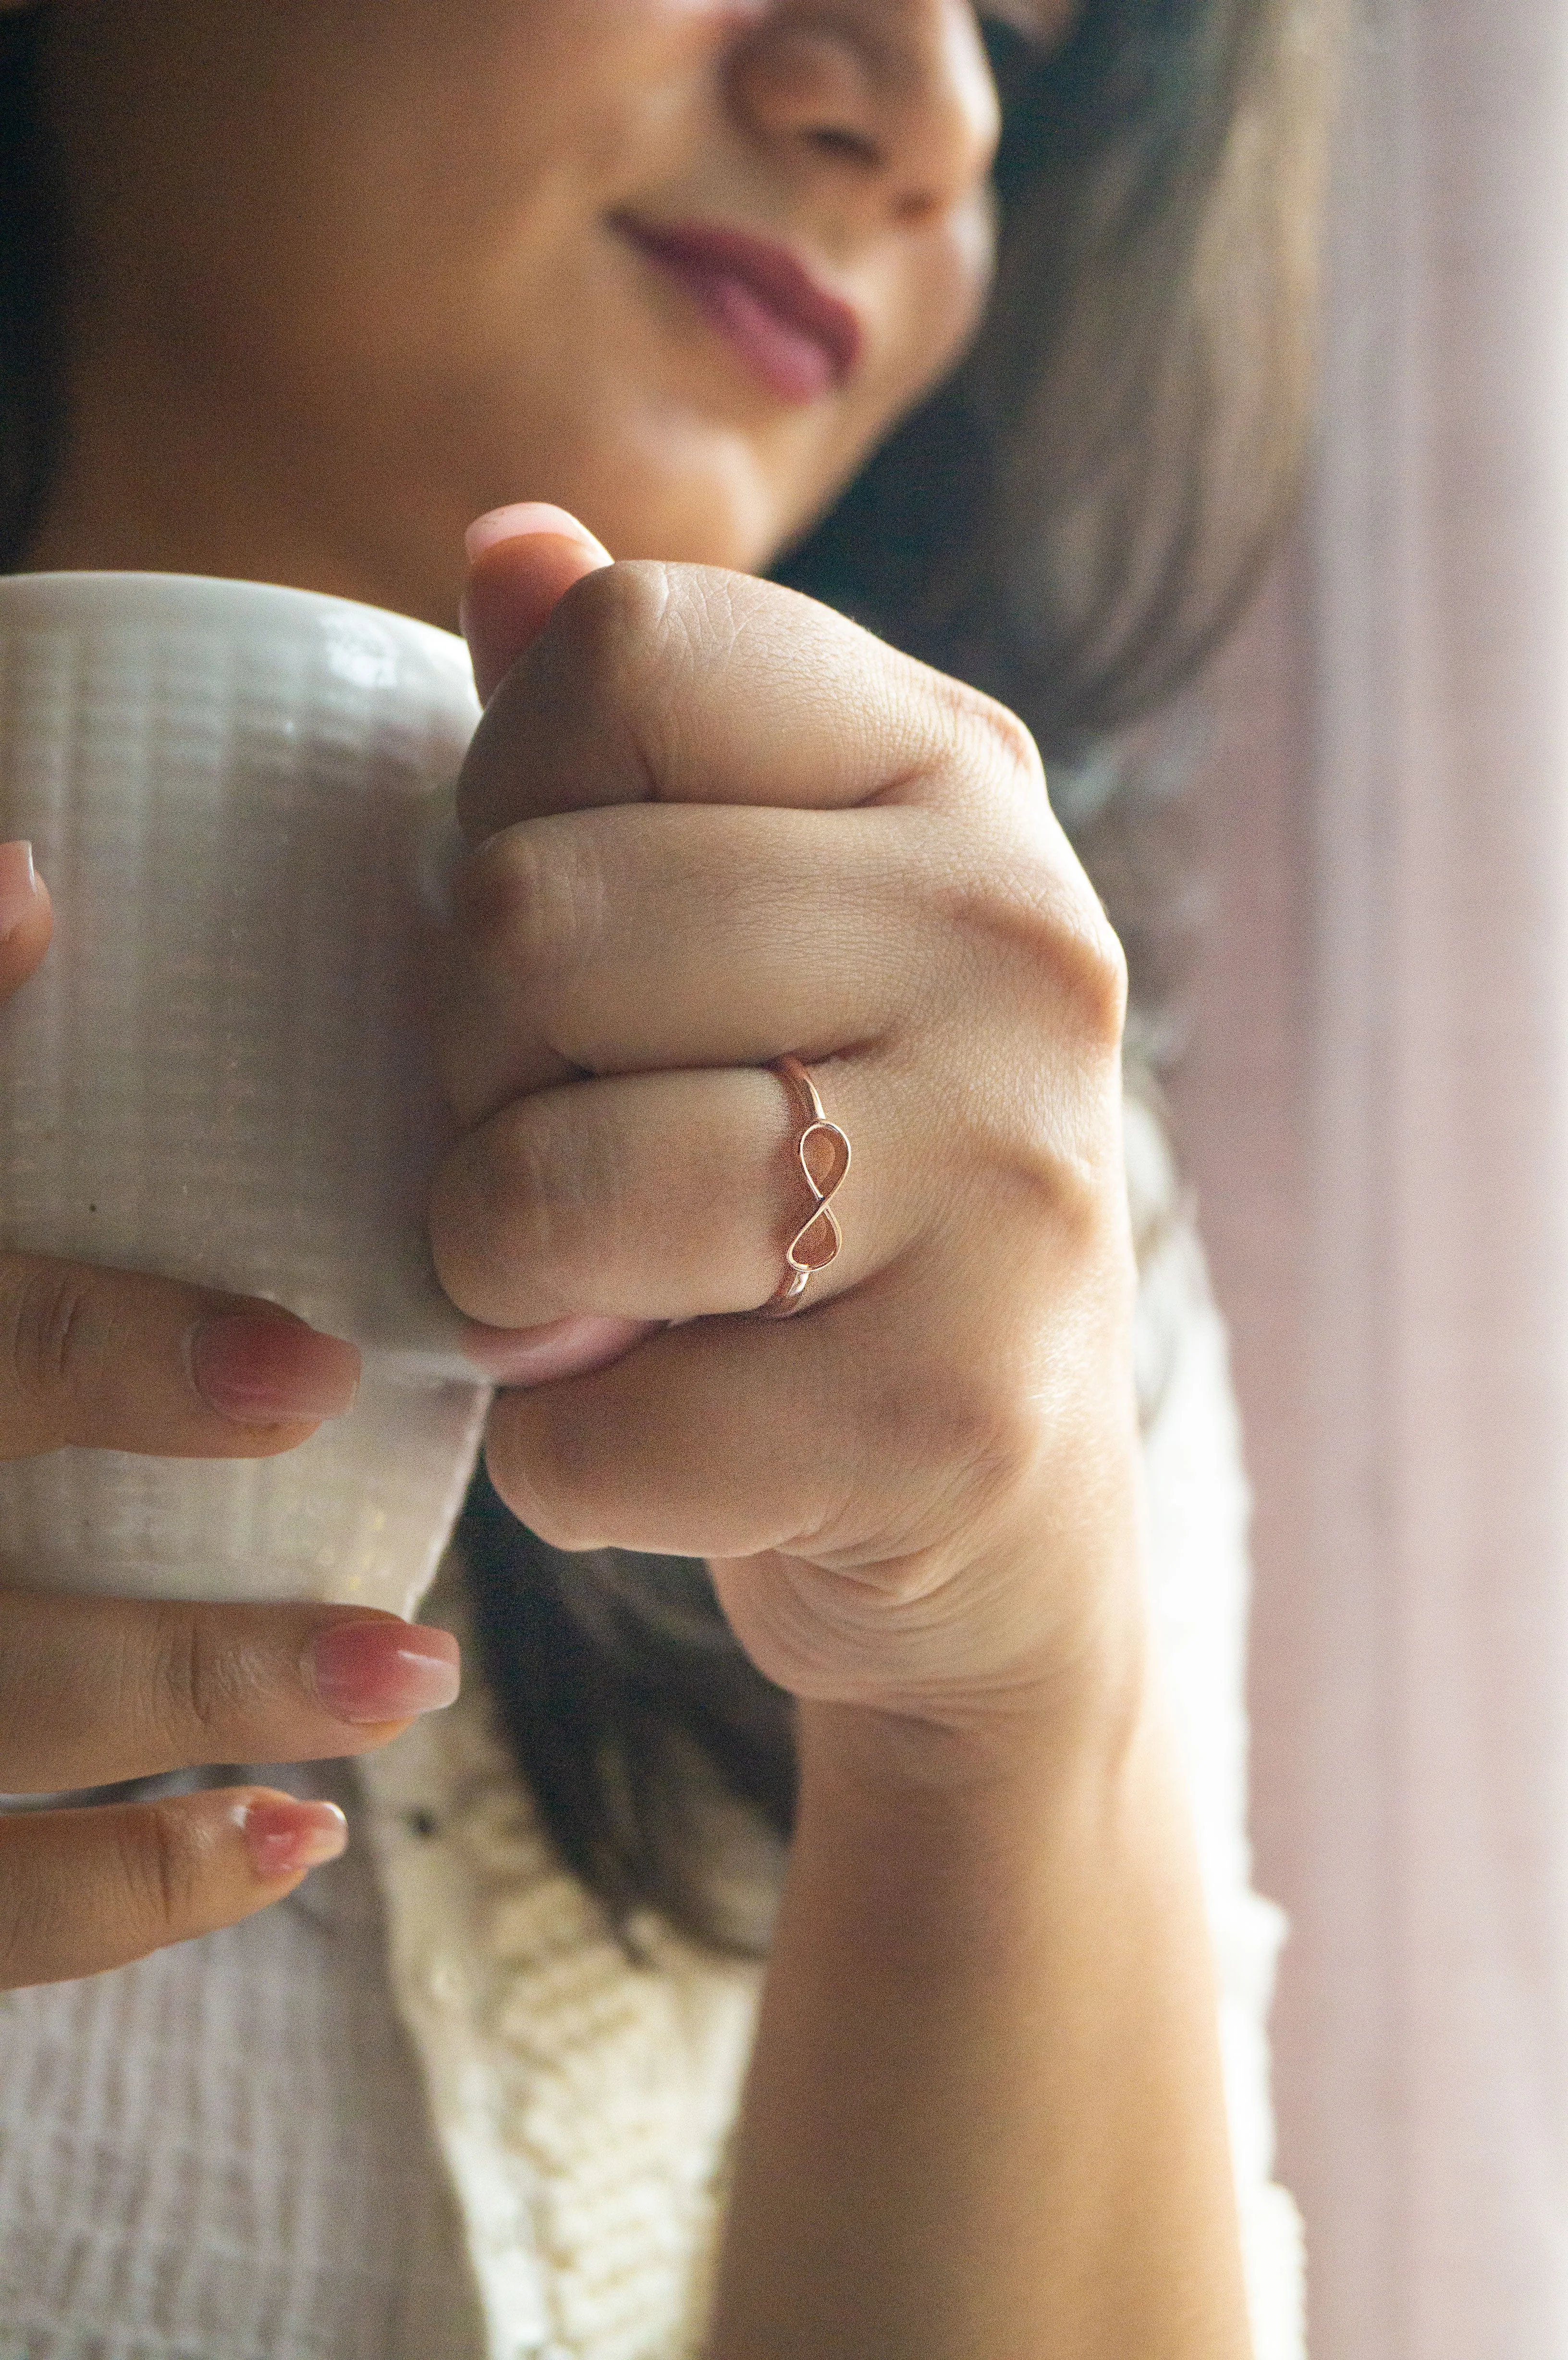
223,2155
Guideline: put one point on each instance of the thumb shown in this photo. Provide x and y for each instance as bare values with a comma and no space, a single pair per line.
521,561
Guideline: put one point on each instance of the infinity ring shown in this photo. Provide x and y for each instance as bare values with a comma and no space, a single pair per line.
817,1240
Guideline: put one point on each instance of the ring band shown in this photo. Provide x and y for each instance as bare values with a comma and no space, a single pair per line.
817,1240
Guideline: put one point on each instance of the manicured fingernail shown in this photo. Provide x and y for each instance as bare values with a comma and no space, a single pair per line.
256,1368
565,1348
285,1837
382,1671
521,519
19,885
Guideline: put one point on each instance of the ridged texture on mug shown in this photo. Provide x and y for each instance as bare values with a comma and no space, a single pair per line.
240,797
361,1513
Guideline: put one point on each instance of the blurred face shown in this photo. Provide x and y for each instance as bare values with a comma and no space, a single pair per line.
347,272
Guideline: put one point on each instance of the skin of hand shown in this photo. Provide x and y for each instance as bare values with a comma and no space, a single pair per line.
712,819
714,822
94,1690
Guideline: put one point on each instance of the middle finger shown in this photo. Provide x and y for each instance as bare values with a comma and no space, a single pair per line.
96,1690
646,936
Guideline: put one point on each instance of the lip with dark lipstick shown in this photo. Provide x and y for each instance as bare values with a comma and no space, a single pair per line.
798,338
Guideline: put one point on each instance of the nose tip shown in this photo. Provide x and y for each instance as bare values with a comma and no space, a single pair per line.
898,91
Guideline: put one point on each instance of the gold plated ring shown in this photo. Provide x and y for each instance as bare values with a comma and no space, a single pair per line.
823,1145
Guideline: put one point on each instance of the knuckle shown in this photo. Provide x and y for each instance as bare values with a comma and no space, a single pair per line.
467,1222
1003,743
1054,1169
968,1437
1073,952
1048,927
26,1916
532,906
157,1860
530,1193
50,1330
192,1689
994,1440
985,1426
1096,976
551,1189
708,613
1032,893
602,632
85,1889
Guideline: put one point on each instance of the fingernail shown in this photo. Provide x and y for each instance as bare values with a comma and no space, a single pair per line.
524,517
285,1837
19,885
565,1348
382,1671
256,1368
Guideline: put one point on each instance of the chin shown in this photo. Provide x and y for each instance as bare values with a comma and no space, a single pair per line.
693,521
678,488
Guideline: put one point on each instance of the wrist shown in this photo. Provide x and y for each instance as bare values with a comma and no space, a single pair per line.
1085,1715
931,1845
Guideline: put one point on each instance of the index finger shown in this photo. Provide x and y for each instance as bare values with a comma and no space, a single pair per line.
119,1360
686,683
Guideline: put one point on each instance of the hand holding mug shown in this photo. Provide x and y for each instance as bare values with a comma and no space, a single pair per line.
714,823
94,1690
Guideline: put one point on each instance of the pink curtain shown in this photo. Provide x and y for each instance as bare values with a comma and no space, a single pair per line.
1374,1112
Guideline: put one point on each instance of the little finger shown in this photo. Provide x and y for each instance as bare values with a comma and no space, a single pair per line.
852,1433
84,1890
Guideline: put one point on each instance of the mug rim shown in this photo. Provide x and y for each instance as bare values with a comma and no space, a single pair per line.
96,590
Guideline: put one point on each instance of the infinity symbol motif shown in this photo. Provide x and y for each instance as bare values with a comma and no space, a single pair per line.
800,1255
817,1240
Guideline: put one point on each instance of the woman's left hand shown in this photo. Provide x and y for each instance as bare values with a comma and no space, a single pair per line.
716,822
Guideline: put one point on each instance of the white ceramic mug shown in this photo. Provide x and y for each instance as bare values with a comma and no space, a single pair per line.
240,797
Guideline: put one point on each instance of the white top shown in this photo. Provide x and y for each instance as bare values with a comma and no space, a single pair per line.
223,2153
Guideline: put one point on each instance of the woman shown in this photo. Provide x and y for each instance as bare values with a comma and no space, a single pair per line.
296,294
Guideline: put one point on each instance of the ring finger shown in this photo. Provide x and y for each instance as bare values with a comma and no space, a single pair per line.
664,1197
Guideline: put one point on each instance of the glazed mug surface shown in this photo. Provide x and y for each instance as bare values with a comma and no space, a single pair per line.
241,799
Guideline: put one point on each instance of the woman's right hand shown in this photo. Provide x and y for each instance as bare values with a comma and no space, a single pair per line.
96,1690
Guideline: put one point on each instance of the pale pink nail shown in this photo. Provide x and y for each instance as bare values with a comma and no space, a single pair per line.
524,517
255,1368
19,885
565,1348
285,1838
369,1671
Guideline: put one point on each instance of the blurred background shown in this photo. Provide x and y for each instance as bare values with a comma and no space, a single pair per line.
1373,1107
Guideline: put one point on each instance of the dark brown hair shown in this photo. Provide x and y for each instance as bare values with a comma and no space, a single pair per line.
1072,522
